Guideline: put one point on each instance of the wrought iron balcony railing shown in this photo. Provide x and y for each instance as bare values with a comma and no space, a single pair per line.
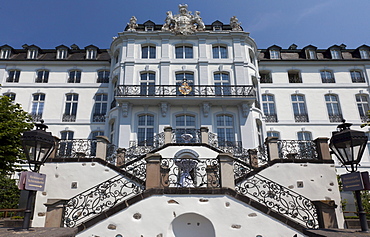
337,118
196,90
186,135
271,118
77,148
69,118
295,79
36,117
99,118
294,149
301,118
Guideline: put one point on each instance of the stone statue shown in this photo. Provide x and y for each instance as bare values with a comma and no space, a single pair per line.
132,25
235,24
183,23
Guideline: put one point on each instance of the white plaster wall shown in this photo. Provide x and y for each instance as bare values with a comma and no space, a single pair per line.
229,217
59,178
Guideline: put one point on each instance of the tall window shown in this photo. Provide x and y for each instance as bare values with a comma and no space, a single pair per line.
304,136
147,83
148,52
273,134
100,107
219,52
103,76
268,103
10,95
222,83
363,106
145,132
37,106
364,54
294,76
357,76
66,143
185,128
112,131
184,51
42,76
74,76
265,77
299,108
71,108
225,130
327,76
332,105
13,76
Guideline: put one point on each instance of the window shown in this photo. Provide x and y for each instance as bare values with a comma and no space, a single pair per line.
111,129
10,95
149,28
274,54
332,105
91,53
147,83
363,106
273,134
145,133
304,136
148,52
32,54
225,130
96,133
251,57
74,76
299,108
37,106
364,54
327,76
219,52
184,51
94,143
13,76
66,143
185,129
311,54
103,76
62,53
42,76
100,107
180,77
335,54
5,53
217,28
71,108
222,84
294,77
116,57
357,76
265,77
268,103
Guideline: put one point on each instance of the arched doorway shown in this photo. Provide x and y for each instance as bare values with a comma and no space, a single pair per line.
191,224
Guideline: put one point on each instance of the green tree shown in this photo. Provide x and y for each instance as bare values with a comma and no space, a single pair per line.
13,122
9,193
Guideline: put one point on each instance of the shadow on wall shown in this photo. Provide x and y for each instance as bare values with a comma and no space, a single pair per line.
191,224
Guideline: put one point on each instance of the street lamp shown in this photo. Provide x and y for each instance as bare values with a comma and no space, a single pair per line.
37,145
349,146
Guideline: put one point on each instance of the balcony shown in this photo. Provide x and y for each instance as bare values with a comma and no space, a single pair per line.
36,117
271,118
69,118
337,118
301,118
99,118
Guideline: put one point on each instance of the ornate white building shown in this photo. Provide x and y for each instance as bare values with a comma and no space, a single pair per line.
185,109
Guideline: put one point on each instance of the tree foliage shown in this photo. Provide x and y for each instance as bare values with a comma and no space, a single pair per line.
13,122
9,193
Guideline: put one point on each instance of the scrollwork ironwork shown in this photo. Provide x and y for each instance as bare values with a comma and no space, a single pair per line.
293,149
77,148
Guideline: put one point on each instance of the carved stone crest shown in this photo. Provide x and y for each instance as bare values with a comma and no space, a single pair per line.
183,23
235,24
133,24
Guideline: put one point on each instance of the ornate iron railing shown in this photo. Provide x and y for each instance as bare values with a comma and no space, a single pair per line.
77,148
295,79
137,149
111,153
99,118
36,117
99,199
186,135
293,149
271,118
233,147
364,118
337,118
241,169
197,90
191,173
262,154
280,199
69,118
137,168
301,118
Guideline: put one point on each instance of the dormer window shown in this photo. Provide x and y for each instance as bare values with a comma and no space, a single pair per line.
149,28
5,53
91,53
62,53
32,53
364,54
311,54
335,54
274,54
217,28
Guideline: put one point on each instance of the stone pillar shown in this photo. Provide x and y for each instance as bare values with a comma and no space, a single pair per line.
121,152
101,147
167,135
326,213
153,170
204,134
272,148
226,170
322,148
54,212
55,151
253,159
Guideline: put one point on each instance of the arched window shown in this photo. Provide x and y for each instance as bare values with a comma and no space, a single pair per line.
148,51
103,76
145,133
100,107
268,103
225,130
334,111
74,76
42,76
219,51
222,83
37,106
70,110
13,76
357,76
147,83
299,108
185,128
327,76
362,106
184,51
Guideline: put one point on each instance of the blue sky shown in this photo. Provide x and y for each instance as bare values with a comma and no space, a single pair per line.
49,23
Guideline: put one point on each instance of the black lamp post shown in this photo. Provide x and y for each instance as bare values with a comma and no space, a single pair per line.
349,146
38,145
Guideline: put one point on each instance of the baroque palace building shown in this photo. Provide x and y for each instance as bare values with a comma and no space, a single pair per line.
179,125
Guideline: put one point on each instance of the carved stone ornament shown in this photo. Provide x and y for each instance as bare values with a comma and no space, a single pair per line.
185,88
132,25
124,106
235,24
206,107
164,107
183,23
